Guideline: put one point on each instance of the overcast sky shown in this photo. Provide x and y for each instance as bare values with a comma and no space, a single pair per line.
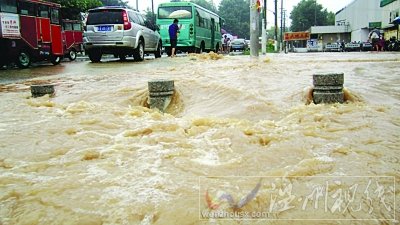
331,5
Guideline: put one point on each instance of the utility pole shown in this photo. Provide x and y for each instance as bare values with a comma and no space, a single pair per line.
152,10
284,29
254,28
281,25
264,30
315,13
137,5
276,25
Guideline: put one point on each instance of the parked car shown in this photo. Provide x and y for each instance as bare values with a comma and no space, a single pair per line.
239,44
120,31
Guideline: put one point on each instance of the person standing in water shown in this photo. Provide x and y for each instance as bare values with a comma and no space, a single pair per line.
173,36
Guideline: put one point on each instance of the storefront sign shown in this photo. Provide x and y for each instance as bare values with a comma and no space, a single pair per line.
375,25
296,36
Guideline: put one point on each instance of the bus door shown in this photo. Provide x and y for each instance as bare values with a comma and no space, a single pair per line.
56,32
28,23
78,33
213,33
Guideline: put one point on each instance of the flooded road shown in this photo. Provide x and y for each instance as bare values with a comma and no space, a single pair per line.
93,154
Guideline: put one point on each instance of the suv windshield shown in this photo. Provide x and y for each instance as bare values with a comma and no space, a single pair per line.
105,16
175,12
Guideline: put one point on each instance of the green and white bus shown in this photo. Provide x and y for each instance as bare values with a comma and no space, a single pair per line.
200,31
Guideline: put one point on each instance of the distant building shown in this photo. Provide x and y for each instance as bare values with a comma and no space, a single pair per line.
353,23
390,10
361,16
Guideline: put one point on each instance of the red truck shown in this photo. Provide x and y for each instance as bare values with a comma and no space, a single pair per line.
30,30
73,38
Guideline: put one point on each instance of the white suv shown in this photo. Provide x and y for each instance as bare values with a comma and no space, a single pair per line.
121,32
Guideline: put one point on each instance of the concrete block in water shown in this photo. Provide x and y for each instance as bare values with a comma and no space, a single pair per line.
328,88
329,79
161,86
328,98
160,94
42,89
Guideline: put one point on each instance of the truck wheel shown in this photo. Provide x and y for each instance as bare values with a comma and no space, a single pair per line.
72,55
55,60
138,54
158,53
95,56
23,59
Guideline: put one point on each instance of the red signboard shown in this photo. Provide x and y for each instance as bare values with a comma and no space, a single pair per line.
297,36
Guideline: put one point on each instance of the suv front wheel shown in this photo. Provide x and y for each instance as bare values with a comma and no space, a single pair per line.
138,54
95,56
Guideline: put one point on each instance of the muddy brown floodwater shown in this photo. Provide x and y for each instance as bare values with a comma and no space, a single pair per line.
237,126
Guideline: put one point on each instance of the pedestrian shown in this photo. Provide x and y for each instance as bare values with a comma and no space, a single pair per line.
228,45
374,37
173,36
381,43
224,47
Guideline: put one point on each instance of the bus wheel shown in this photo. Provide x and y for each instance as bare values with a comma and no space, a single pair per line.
55,60
95,56
72,55
217,48
23,60
201,49
138,54
158,52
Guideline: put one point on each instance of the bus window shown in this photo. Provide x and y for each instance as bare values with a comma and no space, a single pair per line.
27,8
55,16
43,11
9,6
77,26
68,26
175,12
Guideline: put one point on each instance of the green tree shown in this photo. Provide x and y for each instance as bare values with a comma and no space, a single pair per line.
309,13
115,3
71,9
150,16
331,18
236,14
207,4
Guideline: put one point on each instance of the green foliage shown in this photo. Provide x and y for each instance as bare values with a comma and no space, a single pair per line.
331,18
149,16
115,3
309,13
207,4
71,9
236,14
